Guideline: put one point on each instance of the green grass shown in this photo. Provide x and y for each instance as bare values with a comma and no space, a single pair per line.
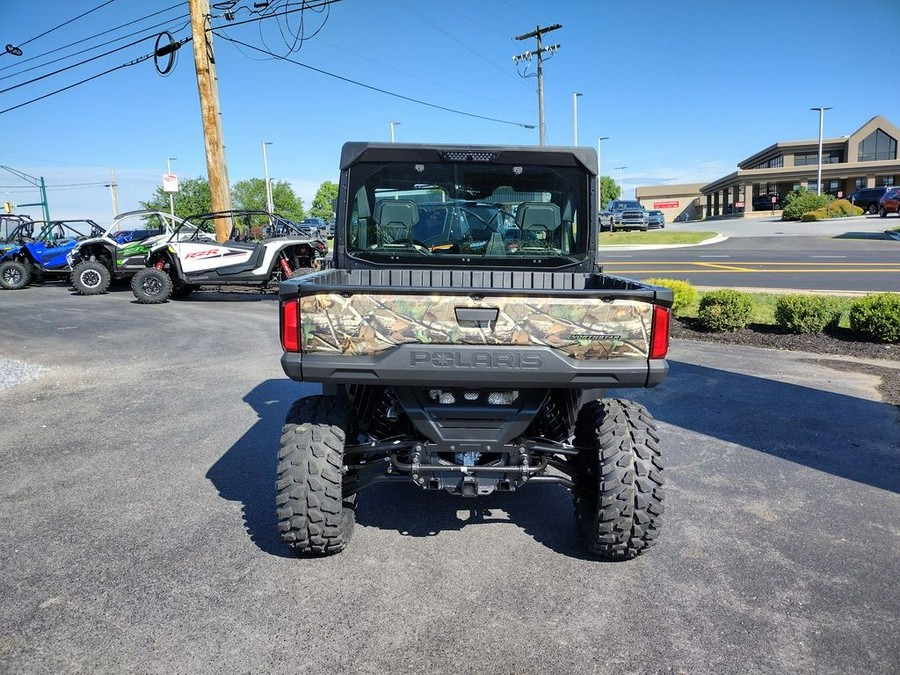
764,308
654,237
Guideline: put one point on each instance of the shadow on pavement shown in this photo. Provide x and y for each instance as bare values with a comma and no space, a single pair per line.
842,435
864,235
246,472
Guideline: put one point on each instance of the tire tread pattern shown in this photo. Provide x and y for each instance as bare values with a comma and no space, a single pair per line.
619,489
313,514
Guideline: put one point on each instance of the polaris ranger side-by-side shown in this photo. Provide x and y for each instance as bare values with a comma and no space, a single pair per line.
464,339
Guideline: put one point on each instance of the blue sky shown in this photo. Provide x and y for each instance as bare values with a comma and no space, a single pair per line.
684,90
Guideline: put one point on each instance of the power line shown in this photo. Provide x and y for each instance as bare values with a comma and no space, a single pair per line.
72,86
96,35
369,86
75,65
459,42
66,23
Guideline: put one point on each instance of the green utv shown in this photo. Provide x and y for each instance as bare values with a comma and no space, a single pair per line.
465,340
120,252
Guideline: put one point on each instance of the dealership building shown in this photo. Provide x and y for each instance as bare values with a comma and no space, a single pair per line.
866,158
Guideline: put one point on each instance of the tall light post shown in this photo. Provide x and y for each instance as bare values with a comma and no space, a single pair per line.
599,172
393,124
575,95
169,161
821,125
270,207
620,169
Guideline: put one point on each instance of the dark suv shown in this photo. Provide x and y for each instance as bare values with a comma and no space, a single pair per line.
765,203
867,198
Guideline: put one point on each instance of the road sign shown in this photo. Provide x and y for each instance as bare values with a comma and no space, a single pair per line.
170,182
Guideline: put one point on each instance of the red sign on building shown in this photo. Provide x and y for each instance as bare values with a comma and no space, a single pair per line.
665,205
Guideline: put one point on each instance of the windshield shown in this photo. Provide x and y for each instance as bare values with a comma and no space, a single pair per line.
470,212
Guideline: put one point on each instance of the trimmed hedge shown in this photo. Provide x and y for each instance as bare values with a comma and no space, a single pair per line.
686,296
725,310
806,313
878,316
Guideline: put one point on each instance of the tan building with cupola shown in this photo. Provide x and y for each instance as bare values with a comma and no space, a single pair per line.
866,158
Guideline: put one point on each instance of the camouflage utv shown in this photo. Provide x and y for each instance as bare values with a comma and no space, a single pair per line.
465,339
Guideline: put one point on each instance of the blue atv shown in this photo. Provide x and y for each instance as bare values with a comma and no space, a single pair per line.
45,254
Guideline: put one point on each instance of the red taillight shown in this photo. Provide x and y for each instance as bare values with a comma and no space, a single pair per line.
290,325
659,333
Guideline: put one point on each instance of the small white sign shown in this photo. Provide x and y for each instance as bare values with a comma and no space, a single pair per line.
170,182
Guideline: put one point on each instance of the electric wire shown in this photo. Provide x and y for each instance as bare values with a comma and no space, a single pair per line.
373,88
19,62
438,28
65,23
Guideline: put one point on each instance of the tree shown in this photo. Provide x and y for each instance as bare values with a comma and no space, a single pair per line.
323,202
250,194
609,190
193,197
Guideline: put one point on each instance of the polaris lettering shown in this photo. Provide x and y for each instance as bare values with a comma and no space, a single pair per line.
488,360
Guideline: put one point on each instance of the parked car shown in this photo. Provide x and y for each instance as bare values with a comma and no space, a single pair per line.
890,202
766,203
317,224
656,219
624,214
867,198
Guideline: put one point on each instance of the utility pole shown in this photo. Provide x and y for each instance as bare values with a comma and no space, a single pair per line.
112,190
207,85
538,32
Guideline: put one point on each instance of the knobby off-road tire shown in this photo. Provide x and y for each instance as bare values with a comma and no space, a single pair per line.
151,286
91,277
314,516
618,487
14,275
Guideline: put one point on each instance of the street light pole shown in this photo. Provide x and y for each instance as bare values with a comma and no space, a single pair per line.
575,95
620,169
393,124
270,207
821,125
599,172
169,161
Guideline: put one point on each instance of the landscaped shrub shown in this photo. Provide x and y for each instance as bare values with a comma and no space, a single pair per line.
806,313
878,316
812,216
686,296
841,208
724,310
802,201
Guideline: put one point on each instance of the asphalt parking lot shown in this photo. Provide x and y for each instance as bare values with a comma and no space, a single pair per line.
138,535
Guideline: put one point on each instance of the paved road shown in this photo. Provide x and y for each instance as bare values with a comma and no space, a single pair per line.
852,255
137,532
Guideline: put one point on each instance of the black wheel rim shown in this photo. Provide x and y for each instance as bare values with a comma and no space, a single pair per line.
151,286
11,275
91,279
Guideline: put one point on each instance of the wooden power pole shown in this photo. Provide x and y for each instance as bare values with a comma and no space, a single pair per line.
207,85
538,33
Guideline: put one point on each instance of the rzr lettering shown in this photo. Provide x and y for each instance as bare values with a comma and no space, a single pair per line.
203,254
